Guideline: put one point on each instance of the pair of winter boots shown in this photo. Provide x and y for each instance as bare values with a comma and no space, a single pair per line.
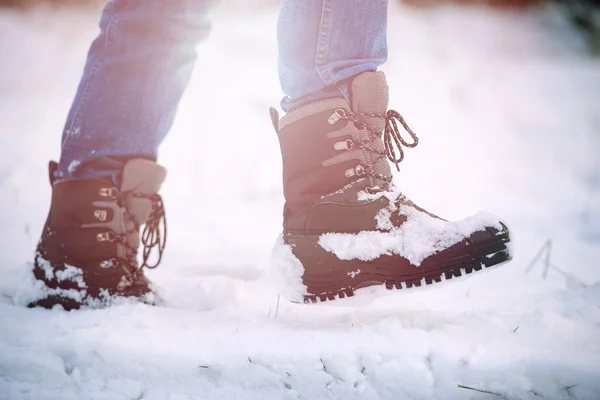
346,226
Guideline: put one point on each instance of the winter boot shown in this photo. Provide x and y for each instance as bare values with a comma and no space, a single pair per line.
87,254
346,226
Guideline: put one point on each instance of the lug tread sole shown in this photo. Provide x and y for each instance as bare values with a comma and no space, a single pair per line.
488,256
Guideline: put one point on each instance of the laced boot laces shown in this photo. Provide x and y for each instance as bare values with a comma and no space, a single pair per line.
154,236
391,137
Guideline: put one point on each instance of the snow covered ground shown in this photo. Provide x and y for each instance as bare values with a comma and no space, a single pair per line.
507,110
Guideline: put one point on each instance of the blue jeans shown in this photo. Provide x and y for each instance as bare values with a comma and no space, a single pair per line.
139,65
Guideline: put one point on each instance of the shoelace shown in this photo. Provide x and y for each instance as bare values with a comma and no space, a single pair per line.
153,236
391,137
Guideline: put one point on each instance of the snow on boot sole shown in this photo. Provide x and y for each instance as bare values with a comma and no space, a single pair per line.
330,278
66,286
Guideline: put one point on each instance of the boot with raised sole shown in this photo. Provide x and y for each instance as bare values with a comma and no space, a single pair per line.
346,225
87,254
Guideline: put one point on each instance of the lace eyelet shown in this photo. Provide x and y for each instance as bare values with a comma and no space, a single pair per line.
106,237
359,170
345,145
124,283
101,215
336,116
373,190
113,262
112,192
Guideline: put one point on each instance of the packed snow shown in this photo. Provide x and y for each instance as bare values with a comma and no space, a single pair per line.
506,109
419,237
285,272
416,239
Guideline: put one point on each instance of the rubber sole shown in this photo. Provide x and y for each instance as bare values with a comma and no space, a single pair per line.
327,278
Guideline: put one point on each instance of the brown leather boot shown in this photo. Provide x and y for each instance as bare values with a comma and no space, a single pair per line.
346,226
87,254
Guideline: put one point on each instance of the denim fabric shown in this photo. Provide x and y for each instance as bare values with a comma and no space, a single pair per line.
141,62
323,43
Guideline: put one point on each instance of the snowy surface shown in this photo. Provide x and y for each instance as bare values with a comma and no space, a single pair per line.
506,107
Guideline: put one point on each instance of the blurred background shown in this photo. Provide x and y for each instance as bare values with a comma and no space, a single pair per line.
505,96
583,14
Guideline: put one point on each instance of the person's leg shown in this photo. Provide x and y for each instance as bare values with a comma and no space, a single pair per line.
136,72
324,43
346,225
106,185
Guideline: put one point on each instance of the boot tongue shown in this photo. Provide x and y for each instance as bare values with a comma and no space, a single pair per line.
370,94
141,176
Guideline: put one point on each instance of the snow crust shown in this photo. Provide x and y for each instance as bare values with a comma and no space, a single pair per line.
73,166
416,239
287,271
506,109
29,289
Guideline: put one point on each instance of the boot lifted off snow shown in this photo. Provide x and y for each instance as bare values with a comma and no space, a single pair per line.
87,254
346,226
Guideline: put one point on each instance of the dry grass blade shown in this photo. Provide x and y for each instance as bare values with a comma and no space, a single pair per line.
479,390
